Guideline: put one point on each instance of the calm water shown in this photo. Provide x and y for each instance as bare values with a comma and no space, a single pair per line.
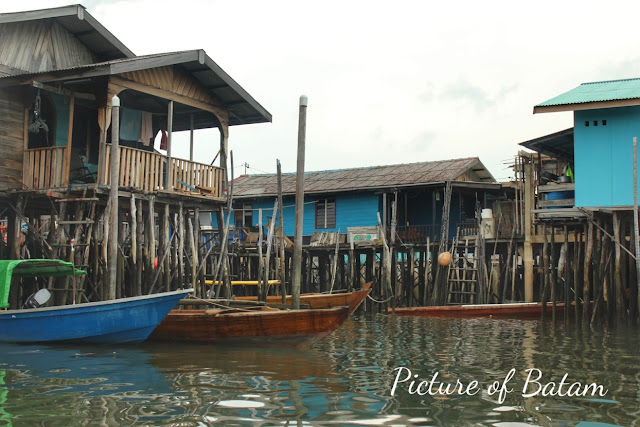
345,379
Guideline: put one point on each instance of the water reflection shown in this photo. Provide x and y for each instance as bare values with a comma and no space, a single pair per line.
345,379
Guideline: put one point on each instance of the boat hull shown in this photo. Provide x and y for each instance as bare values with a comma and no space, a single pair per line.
513,310
107,322
230,326
320,301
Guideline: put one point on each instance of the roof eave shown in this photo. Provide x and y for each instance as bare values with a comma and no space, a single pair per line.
264,114
586,106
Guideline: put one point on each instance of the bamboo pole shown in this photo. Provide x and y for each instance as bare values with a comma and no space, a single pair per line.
297,245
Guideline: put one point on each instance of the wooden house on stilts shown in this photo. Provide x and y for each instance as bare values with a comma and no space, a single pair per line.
59,71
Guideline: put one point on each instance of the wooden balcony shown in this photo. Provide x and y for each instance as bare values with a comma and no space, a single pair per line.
139,169
45,167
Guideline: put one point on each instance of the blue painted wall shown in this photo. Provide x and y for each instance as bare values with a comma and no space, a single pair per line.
603,156
356,209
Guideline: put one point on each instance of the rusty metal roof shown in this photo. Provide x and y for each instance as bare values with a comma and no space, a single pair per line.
368,178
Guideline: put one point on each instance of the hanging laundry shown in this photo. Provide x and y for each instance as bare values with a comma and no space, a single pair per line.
164,138
146,128
130,122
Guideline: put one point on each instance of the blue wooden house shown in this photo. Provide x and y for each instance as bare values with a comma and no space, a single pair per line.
337,200
606,119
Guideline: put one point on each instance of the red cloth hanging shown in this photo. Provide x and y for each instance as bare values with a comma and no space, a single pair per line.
163,139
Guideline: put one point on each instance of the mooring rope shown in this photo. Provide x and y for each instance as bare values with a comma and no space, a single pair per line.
380,302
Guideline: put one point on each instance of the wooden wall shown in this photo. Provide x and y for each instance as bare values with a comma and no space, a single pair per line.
11,139
40,46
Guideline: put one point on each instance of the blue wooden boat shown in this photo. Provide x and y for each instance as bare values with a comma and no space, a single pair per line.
105,322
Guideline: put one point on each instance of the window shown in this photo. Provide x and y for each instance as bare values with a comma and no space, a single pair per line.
243,215
326,213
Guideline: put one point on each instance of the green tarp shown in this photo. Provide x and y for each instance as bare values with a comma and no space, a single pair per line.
31,268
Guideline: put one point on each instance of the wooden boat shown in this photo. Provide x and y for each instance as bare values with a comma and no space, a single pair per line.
104,322
263,325
319,301
512,310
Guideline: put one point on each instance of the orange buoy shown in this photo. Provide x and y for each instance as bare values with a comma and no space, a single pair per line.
444,258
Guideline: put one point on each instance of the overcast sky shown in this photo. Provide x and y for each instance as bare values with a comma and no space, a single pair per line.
388,82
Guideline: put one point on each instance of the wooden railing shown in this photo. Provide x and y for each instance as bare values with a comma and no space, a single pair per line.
44,167
189,176
139,169
146,171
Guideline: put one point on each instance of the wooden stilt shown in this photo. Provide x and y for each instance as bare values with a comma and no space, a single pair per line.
180,230
588,256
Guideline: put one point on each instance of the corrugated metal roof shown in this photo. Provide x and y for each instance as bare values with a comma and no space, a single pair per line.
76,20
613,90
374,177
243,108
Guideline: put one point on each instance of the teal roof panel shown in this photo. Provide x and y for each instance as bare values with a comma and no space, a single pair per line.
612,90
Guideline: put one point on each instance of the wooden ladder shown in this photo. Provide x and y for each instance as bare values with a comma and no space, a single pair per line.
77,219
462,276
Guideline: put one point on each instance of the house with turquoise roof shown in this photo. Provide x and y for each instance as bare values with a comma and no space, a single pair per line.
606,120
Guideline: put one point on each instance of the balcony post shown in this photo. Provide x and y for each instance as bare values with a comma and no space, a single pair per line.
169,180
67,153
113,197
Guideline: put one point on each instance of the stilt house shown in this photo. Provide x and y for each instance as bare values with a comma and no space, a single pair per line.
59,71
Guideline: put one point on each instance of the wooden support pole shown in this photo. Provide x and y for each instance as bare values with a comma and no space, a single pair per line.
150,232
191,137
528,247
200,262
636,226
114,184
139,234
297,244
133,227
586,291
260,256
352,265
391,259
193,252
283,270
334,264
181,238
553,275
617,275
169,183
167,244
427,272
270,237
133,224
67,151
